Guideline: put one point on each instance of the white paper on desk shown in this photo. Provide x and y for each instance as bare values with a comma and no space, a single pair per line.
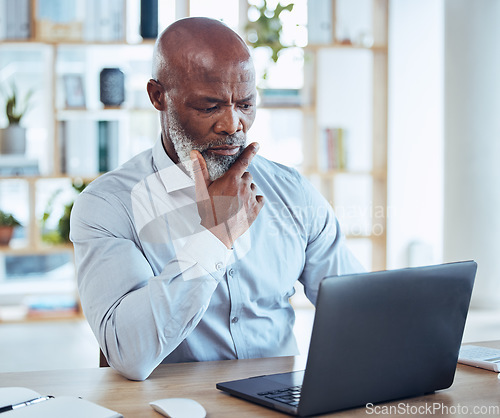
63,407
15,395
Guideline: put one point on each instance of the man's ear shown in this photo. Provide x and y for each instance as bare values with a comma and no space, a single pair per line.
156,94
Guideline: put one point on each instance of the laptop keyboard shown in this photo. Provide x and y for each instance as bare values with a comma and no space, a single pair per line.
289,396
474,352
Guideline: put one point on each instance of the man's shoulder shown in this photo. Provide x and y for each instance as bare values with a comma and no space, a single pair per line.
124,177
271,169
278,181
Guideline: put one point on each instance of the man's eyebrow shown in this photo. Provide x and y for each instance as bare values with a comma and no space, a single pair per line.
211,99
249,98
219,100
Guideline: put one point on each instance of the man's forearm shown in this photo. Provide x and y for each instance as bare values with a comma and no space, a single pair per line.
139,314
149,323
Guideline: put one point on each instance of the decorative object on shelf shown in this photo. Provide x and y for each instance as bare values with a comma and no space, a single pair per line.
149,19
74,91
7,225
13,138
112,86
61,234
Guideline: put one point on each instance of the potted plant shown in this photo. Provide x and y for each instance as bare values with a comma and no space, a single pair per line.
59,233
13,138
7,225
265,31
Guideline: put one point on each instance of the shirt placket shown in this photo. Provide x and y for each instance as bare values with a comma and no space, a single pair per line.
236,319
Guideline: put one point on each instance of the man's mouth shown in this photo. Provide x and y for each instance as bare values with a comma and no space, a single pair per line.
224,150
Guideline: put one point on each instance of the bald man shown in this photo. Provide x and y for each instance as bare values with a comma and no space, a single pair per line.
191,250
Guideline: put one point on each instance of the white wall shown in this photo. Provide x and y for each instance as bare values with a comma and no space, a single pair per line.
415,179
472,141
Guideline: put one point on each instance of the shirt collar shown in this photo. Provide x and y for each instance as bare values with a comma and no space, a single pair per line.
172,177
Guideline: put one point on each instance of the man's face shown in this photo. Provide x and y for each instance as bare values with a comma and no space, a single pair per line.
217,164
211,111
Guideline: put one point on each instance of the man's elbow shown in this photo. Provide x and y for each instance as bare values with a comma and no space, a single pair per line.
134,370
133,366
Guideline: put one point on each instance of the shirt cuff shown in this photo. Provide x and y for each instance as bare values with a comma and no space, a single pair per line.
209,252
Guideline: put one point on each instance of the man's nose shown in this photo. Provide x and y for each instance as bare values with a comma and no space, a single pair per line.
229,122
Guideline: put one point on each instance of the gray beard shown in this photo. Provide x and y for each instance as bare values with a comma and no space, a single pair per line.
217,165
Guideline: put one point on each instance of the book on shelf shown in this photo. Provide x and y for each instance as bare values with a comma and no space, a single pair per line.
78,147
280,97
74,20
321,32
3,20
51,305
19,402
108,145
18,165
88,147
333,149
149,19
60,20
109,17
15,19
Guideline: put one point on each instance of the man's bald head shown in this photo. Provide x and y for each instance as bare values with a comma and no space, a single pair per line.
198,47
204,88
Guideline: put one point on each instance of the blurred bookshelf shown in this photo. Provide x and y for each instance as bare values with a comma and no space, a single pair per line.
57,49
330,121
346,62
322,109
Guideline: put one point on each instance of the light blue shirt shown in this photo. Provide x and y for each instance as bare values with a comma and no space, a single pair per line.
157,287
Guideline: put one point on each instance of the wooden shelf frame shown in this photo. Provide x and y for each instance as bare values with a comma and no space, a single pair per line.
378,172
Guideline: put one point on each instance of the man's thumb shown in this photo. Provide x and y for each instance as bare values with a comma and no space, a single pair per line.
201,176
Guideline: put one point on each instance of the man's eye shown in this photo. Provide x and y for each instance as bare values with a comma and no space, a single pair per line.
246,106
209,109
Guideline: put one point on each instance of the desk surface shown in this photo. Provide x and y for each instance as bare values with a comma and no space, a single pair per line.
473,388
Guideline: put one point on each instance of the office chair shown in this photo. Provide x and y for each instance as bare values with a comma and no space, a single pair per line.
102,359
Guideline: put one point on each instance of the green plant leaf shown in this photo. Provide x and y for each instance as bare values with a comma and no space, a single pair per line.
267,29
13,109
7,219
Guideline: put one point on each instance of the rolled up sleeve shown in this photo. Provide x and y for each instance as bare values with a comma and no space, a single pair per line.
138,317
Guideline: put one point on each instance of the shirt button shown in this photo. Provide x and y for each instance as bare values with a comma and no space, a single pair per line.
219,266
234,320
231,272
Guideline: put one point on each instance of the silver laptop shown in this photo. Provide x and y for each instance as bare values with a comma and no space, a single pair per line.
376,337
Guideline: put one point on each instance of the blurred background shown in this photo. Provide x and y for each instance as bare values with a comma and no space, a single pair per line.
389,107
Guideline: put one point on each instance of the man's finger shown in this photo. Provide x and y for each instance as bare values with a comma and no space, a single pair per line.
241,164
201,176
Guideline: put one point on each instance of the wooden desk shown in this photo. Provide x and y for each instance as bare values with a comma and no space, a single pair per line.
472,388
